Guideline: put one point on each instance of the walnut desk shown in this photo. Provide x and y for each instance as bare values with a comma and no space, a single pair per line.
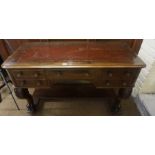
109,65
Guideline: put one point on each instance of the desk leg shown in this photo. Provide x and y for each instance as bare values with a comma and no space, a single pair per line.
123,93
115,104
23,93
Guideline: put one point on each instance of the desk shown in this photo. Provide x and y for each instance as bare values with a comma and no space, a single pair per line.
109,65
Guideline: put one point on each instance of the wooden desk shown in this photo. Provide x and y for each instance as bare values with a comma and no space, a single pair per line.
109,65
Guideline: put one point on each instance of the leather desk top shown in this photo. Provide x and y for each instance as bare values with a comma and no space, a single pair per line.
81,54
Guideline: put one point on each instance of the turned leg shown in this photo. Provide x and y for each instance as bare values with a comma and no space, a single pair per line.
115,104
123,93
23,93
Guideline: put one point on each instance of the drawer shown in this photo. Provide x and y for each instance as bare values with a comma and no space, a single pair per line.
117,83
71,74
119,74
28,74
31,83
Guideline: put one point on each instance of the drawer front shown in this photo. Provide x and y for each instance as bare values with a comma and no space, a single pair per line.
71,74
121,77
31,83
119,74
117,83
28,74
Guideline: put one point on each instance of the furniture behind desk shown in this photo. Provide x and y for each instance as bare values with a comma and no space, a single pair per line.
106,64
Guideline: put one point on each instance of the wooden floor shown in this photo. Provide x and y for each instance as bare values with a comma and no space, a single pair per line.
67,106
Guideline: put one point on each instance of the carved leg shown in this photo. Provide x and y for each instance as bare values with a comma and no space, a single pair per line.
125,92
115,105
122,93
36,101
23,93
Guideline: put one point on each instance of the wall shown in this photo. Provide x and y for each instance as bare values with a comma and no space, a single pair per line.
147,54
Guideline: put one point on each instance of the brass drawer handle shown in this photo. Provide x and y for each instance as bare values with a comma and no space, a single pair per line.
36,75
38,83
124,84
128,74
19,74
87,74
110,74
107,83
59,73
23,83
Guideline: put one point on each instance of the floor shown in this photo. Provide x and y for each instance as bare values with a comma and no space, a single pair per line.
87,106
